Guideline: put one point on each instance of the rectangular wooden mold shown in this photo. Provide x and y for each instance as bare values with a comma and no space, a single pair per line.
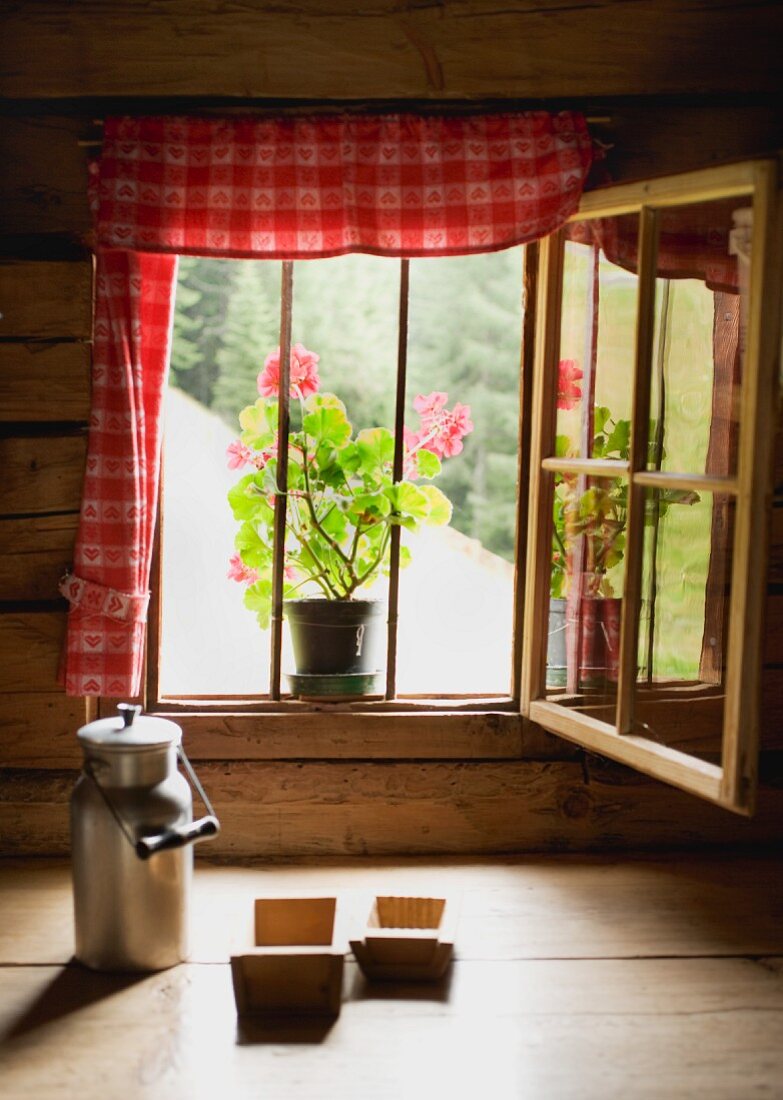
406,939
294,969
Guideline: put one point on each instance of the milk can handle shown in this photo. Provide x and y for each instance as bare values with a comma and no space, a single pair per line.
178,835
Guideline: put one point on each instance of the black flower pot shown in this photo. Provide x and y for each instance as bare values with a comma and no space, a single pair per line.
336,637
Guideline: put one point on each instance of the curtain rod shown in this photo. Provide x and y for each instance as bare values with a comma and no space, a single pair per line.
95,143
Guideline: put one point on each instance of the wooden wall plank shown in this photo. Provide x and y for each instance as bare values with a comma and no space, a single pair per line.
773,630
384,48
775,568
301,736
30,645
34,552
653,139
43,185
351,735
41,474
44,381
47,300
38,729
287,809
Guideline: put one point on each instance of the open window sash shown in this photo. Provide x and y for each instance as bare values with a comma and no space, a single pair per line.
646,494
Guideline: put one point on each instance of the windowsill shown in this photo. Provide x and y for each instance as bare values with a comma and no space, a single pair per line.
347,731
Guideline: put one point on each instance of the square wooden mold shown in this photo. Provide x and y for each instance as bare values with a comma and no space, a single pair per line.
294,968
406,939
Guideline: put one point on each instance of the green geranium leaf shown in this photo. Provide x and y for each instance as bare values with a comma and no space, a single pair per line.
253,550
348,458
428,464
376,449
439,506
258,598
410,501
257,431
371,537
328,425
268,478
247,498
562,446
295,475
318,401
619,439
335,524
370,504
332,473
600,416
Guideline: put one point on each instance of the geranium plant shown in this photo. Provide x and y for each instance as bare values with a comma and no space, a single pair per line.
342,499
599,513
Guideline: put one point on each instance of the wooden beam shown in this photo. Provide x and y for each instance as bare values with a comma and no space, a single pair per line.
336,50
282,810
38,729
43,185
45,382
34,554
30,644
42,474
46,300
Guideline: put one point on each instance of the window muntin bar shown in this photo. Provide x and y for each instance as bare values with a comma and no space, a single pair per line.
399,425
281,496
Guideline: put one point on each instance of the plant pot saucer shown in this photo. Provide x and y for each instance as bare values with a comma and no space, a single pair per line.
336,687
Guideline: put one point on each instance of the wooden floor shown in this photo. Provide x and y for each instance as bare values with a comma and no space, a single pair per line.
582,977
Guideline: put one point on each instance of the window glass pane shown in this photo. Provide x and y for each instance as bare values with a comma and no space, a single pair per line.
346,310
700,304
683,637
456,598
227,321
457,595
597,339
586,583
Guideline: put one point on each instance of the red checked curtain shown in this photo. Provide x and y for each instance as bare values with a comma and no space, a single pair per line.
284,188
693,243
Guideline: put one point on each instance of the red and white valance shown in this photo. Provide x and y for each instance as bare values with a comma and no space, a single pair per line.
293,188
283,188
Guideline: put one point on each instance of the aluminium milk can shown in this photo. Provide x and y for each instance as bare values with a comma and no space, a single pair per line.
132,834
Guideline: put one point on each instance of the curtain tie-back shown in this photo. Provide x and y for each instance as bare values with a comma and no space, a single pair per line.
98,599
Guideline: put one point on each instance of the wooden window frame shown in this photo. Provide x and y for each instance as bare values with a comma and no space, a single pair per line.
411,727
731,783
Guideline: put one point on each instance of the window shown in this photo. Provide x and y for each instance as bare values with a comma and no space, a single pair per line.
634,553
449,325
650,470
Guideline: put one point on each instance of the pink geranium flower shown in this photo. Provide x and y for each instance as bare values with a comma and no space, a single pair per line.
238,571
442,429
569,392
238,455
429,407
455,426
304,379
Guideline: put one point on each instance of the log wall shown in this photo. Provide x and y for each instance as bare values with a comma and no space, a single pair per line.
671,88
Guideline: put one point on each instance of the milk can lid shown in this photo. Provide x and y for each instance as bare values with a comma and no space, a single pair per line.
129,730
